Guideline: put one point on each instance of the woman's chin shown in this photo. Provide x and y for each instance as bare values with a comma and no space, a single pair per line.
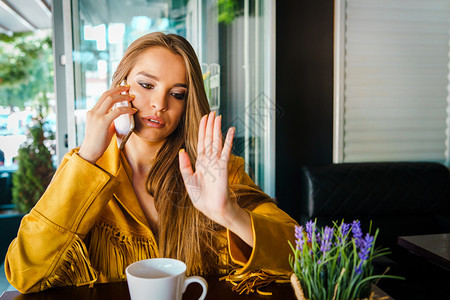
151,136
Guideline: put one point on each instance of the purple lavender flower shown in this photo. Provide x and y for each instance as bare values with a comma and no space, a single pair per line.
325,241
366,245
310,230
298,232
357,233
300,240
343,229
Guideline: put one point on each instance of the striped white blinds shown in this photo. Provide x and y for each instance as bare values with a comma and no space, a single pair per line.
392,80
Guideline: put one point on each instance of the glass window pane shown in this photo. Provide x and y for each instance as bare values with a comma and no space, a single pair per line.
229,38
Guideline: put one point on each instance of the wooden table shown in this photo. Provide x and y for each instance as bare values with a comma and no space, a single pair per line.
119,290
217,290
433,247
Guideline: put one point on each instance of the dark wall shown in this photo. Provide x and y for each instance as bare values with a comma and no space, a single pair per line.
304,90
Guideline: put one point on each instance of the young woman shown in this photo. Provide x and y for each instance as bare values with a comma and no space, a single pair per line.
173,191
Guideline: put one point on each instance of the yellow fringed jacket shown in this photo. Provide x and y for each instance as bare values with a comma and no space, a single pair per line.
89,226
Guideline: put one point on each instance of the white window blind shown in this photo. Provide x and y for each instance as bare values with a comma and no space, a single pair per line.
392,80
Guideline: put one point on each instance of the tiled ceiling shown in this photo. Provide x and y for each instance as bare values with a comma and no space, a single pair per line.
24,15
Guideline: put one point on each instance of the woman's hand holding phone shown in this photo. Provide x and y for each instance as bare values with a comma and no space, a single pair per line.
124,124
99,122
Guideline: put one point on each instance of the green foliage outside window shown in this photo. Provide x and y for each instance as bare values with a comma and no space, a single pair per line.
26,77
35,169
227,11
26,69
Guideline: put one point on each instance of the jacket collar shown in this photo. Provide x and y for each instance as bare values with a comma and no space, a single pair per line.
114,162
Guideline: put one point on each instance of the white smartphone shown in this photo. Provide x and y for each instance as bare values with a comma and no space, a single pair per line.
124,124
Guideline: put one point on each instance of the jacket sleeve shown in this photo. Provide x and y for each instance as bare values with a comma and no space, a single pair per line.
48,250
272,228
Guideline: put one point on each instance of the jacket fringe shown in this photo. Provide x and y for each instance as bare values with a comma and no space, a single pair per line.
75,269
111,251
255,281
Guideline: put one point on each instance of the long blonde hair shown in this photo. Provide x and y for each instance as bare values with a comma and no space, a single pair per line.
184,232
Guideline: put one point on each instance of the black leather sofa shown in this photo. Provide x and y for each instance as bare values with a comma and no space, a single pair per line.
399,198
9,225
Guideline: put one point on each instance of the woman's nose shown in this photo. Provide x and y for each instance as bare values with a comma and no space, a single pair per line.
159,101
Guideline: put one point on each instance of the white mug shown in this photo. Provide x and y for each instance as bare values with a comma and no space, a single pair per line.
160,279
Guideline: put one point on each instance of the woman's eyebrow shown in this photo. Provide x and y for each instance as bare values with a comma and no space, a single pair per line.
143,73
181,85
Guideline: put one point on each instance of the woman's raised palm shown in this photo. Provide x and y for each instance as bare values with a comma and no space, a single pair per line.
208,186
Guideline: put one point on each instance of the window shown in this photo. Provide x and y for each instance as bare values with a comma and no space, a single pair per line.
391,81
234,41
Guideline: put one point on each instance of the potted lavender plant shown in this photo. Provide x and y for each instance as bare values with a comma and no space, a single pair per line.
334,262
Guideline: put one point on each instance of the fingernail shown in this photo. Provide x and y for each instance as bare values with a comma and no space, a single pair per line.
132,96
181,150
134,109
127,85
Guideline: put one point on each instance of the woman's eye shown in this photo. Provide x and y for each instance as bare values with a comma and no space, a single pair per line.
146,85
179,96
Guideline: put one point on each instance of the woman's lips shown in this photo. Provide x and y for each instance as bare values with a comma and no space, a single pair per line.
154,121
